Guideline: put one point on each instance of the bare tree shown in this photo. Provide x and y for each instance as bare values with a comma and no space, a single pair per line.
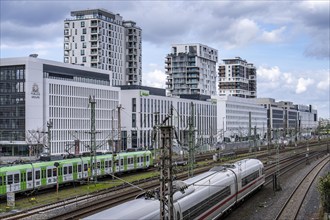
36,140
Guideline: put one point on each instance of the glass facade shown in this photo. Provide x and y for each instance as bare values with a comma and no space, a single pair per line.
12,108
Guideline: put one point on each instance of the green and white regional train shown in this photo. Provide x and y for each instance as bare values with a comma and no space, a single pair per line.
42,174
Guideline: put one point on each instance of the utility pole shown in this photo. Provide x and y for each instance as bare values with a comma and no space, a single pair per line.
277,175
112,142
191,155
119,128
93,165
250,131
166,172
255,140
49,127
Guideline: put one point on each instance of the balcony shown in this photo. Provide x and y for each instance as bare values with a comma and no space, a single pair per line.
67,32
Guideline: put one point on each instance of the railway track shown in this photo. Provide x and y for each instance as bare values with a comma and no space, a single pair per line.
293,204
81,207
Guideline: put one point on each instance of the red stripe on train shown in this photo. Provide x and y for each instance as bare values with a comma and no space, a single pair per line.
225,201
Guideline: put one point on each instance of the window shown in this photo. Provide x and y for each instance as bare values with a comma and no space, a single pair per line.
54,171
82,24
133,120
70,169
65,170
37,175
49,173
79,168
29,176
9,179
82,52
83,45
84,30
82,38
85,167
84,59
121,162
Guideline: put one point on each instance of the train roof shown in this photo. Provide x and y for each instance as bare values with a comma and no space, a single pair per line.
134,209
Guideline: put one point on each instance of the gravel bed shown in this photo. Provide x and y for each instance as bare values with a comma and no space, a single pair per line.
265,204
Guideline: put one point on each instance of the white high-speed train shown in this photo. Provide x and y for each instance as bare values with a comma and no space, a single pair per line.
205,196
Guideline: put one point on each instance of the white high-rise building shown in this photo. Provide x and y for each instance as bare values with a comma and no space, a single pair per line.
238,78
191,69
101,39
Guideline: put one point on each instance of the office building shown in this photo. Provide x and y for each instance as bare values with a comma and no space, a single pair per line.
191,69
101,39
238,78
239,118
37,94
289,119
145,109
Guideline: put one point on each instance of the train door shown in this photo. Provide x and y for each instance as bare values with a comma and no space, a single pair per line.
37,177
138,163
98,167
51,175
29,179
79,171
85,169
67,172
13,181
147,163
75,171
23,180
121,164
107,166
2,184
130,163
102,167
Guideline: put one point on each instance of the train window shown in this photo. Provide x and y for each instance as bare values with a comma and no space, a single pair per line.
65,170
37,174
16,178
138,159
49,173
54,171
106,164
98,165
10,179
70,169
141,159
147,158
29,176
79,167
85,167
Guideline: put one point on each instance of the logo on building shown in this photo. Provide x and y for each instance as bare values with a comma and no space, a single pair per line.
35,94
144,93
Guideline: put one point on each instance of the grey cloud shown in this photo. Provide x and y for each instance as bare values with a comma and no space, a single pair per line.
32,13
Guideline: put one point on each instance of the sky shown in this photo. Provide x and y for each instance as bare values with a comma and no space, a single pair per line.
287,41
